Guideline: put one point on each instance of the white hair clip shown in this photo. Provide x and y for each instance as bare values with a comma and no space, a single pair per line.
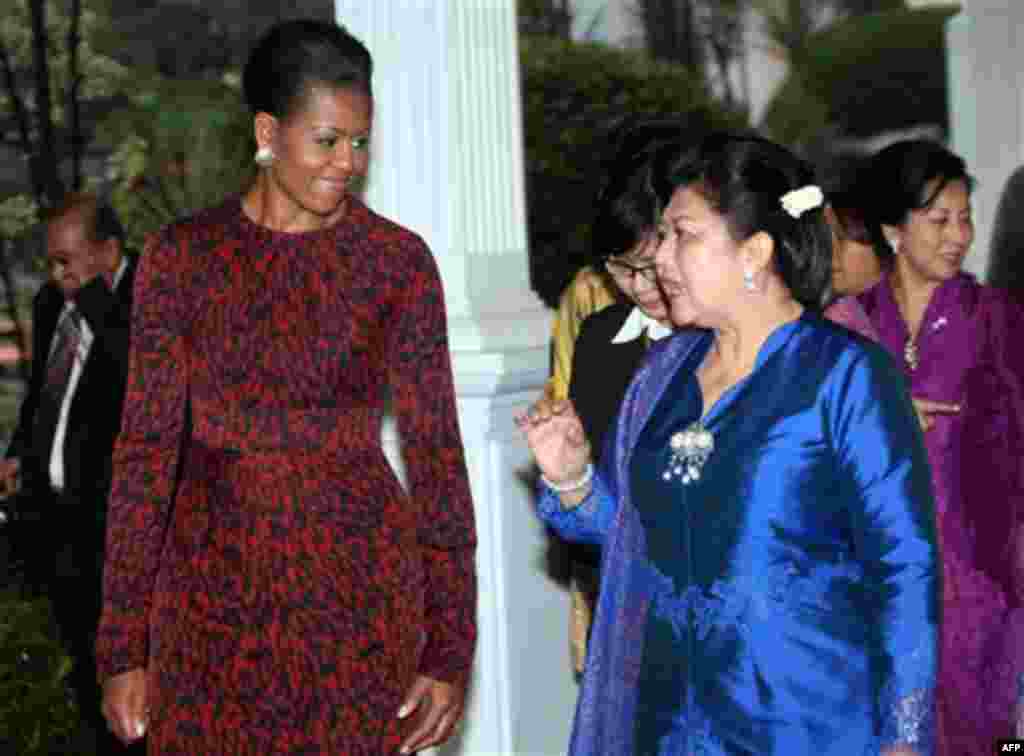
799,201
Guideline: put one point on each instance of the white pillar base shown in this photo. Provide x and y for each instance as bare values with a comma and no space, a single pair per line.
523,694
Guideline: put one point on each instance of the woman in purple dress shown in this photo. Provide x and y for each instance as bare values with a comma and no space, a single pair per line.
955,339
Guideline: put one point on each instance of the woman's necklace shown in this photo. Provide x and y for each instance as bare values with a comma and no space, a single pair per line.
911,356
910,353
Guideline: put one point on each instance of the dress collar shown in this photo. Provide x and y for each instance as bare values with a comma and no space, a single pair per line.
635,325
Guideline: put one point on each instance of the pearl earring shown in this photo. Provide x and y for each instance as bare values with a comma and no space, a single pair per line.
748,281
264,156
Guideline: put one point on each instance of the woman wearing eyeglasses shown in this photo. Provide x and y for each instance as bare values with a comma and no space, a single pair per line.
612,341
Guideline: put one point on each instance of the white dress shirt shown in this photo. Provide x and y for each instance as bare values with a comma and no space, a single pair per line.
635,324
81,355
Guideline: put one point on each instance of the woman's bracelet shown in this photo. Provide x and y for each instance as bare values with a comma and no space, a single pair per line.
573,485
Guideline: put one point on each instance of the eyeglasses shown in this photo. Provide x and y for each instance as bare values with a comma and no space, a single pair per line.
622,269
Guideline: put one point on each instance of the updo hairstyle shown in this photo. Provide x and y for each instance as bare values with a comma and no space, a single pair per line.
744,177
295,56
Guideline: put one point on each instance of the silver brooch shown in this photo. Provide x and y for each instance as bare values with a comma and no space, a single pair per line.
690,450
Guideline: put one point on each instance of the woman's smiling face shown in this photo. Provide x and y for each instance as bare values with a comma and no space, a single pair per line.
933,241
321,149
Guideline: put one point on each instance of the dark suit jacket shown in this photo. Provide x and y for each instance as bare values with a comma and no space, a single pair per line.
78,520
601,371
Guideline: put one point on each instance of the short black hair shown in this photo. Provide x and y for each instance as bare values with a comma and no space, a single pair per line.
625,208
294,56
743,177
897,180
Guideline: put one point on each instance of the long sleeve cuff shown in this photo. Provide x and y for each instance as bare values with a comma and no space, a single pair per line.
450,615
586,523
121,644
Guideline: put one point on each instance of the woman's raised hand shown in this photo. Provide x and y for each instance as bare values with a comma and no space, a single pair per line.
556,438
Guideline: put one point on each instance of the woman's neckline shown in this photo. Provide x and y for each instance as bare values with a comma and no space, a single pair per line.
251,223
902,299
770,338
772,343
945,292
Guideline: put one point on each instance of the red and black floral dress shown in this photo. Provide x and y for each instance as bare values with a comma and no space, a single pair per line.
263,562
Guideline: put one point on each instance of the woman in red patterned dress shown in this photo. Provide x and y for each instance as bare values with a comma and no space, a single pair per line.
270,588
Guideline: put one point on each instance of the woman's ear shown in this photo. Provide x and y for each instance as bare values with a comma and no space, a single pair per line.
894,236
265,130
757,252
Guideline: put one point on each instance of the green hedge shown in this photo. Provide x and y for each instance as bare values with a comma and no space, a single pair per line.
178,147
865,75
574,94
38,715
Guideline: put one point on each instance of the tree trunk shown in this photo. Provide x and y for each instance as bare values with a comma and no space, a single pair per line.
45,158
725,42
75,84
670,28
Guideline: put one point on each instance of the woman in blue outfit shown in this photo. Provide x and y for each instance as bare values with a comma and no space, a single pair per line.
768,550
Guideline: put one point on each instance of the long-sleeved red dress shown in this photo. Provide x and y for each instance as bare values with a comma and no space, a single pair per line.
263,562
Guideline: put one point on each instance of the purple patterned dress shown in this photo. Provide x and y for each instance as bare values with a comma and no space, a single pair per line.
967,352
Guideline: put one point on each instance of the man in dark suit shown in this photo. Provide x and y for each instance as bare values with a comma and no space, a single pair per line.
58,461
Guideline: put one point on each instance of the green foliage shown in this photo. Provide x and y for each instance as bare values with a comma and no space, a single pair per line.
178,147
790,24
10,401
37,712
797,112
573,96
865,75
18,214
552,17
102,76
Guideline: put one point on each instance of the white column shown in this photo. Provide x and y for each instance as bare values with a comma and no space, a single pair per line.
986,96
447,162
